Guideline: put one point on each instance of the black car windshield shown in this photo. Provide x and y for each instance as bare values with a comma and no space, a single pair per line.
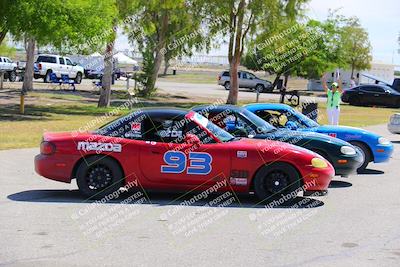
261,125
221,134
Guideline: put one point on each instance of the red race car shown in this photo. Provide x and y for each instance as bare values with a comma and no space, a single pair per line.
174,149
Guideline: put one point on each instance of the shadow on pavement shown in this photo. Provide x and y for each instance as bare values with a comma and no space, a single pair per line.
339,184
371,171
161,199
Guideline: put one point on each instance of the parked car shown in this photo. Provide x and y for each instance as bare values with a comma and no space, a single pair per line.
59,65
9,68
174,149
242,123
371,95
98,74
374,147
246,80
394,123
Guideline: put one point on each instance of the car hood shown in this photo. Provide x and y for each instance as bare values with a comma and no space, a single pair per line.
270,145
326,129
303,136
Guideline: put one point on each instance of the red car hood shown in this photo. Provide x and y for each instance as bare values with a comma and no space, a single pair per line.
263,144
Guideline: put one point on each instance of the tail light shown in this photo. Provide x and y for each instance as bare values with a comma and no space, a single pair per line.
219,77
47,148
40,66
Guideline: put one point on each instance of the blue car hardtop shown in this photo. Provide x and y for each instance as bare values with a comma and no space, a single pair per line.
374,147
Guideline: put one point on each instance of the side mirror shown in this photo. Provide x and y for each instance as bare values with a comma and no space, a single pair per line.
192,139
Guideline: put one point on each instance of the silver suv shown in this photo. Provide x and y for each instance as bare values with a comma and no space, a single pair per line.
246,80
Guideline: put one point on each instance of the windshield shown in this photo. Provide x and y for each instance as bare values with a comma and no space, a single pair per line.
304,119
262,126
221,134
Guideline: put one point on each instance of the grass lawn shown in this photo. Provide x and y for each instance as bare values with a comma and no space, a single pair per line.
69,113
182,77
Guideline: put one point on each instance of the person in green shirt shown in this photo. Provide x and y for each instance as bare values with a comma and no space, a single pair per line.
333,102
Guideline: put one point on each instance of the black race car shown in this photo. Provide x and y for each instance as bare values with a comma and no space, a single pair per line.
242,123
371,95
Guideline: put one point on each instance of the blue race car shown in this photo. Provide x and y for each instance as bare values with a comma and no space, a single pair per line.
375,148
242,123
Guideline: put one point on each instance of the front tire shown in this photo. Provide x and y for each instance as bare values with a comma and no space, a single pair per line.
260,88
364,150
99,176
275,180
227,86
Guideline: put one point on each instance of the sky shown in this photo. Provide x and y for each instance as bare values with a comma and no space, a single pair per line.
381,19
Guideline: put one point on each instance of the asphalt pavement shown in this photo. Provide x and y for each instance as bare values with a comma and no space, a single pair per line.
46,223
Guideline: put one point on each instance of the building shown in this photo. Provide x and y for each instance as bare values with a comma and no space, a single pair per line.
378,69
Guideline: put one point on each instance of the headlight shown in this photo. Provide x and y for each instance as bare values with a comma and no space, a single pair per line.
347,150
383,141
319,163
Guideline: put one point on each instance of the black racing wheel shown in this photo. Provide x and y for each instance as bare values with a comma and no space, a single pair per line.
276,179
98,176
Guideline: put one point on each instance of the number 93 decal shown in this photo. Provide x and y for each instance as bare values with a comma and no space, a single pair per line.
198,163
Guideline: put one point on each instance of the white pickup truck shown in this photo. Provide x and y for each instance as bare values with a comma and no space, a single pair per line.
59,65
9,68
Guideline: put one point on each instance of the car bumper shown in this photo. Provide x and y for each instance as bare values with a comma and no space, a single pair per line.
346,165
394,128
382,153
317,179
58,168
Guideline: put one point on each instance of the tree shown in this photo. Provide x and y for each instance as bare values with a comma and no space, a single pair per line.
6,50
356,45
60,23
244,18
159,28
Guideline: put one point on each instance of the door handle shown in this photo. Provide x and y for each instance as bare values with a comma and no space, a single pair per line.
376,95
155,152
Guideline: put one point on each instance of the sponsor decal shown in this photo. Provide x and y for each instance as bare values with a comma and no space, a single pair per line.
332,134
238,181
151,142
352,136
239,177
241,154
136,126
94,146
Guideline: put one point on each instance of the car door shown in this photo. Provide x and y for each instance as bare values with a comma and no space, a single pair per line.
378,96
167,159
71,69
245,80
241,79
62,68
365,94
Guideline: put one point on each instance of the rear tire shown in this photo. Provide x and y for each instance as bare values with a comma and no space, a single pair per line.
227,86
47,78
275,180
364,150
78,78
12,76
99,176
